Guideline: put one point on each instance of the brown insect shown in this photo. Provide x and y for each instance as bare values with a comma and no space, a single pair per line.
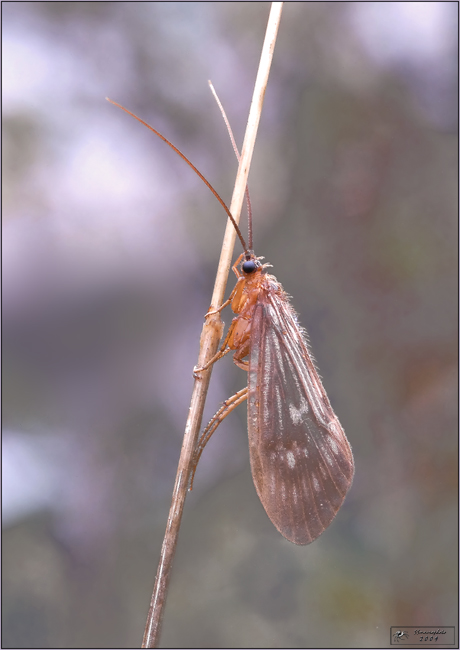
301,460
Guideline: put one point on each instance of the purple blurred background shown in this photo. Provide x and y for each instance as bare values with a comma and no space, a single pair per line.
110,246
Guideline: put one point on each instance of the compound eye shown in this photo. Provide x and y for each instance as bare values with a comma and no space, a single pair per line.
249,266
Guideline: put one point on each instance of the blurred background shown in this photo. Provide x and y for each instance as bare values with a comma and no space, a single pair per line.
110,247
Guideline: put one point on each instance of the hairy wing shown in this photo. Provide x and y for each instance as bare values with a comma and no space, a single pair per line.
301,460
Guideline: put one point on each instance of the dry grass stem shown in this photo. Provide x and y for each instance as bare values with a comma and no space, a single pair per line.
210,337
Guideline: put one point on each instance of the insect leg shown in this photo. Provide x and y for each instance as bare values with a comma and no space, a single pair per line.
221,353
225,349
226,408
238,357
224,304
231,296
235,268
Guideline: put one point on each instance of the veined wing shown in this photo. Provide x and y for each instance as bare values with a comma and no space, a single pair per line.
301,460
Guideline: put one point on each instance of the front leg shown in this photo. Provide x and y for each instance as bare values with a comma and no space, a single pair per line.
239,276
235,268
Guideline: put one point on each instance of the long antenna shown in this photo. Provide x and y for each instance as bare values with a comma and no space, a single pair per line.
238,157
184,157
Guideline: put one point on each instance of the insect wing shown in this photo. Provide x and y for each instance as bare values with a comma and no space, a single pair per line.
301,461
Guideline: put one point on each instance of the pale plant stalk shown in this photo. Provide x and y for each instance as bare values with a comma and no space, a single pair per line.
210,337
